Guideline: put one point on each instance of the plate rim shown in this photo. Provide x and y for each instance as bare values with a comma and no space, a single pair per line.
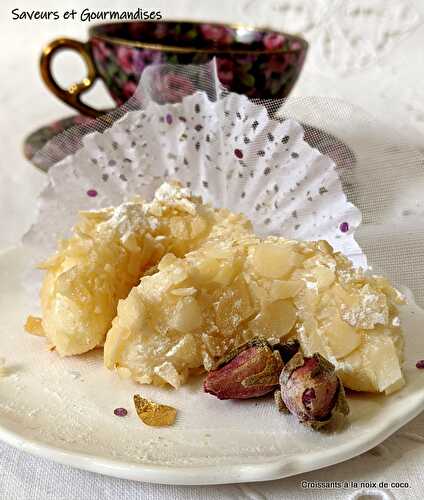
213,474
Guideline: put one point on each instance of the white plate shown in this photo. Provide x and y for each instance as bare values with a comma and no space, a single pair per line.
62,409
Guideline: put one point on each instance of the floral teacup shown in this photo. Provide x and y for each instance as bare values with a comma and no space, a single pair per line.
259,63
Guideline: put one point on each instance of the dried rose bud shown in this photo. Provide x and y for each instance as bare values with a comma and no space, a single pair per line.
249,371
311,390
282,408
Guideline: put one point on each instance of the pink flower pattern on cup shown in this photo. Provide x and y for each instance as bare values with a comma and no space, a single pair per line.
172,87
101,51
125,56
273,41
129,89
217,33
225,71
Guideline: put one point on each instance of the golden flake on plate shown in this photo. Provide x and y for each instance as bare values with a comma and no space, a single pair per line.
154,414
34,326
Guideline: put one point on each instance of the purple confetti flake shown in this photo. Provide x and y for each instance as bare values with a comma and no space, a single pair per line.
169,119
238,153
420,364
344,227
120,412
92,193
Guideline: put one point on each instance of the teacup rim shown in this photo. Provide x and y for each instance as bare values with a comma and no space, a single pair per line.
217,50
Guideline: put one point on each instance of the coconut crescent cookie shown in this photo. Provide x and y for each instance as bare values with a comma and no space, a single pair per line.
172,285
108,253
236,287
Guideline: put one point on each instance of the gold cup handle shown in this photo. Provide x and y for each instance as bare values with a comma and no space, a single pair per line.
72,95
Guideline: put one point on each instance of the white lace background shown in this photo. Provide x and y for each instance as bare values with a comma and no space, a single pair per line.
366,52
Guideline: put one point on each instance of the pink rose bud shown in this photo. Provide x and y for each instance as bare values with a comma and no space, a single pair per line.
249,371
311,390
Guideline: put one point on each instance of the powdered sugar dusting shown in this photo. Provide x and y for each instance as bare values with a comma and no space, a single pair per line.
171,196
126,218
132,216
371,310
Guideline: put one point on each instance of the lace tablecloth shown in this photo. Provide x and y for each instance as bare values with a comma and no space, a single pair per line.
368,52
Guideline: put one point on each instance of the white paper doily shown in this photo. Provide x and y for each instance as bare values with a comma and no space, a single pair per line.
229,152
